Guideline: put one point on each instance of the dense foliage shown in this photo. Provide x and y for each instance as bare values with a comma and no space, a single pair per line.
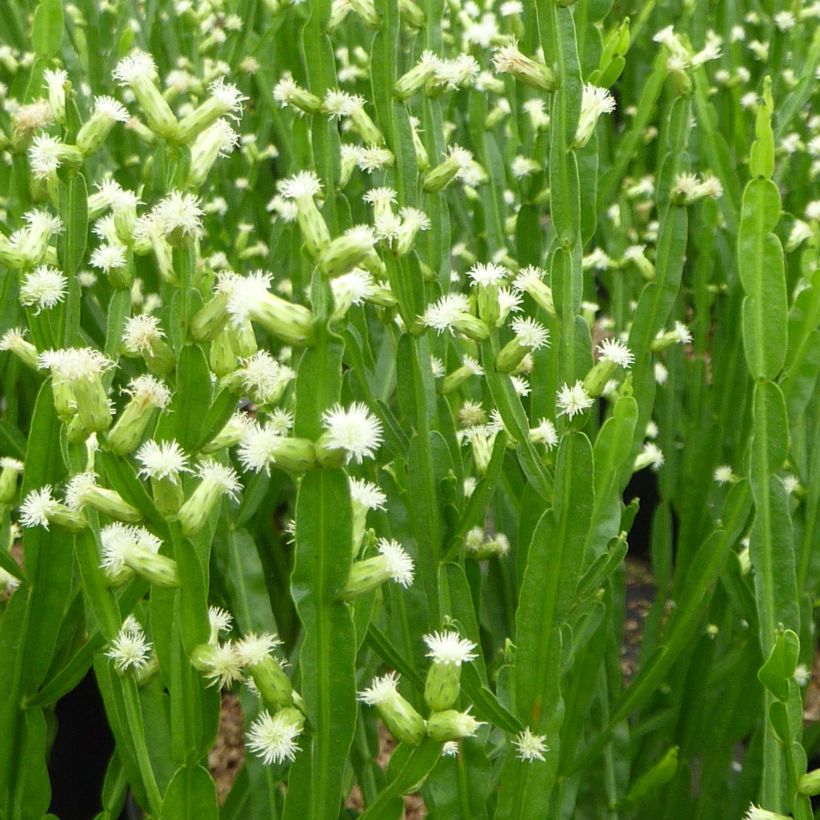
333,334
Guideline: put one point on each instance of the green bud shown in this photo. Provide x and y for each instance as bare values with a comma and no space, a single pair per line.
451,725
442,687
223,359
210,319
272,682
10,470
154,568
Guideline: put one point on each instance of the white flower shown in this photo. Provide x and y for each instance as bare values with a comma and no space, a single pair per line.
450,749
120,543
573,400
381,196
222,477
162,459
264,377
108,257
45,155
253,649
399,563
651,456
449,648
456,73
545,433
274,738
74,363
723,474
37,506
785,20
530,333
381,690
43,288
355,430
137,66
141,333
228,97
373,158
130,650
301,185
616,352
682,334
520,385
223,665
257,450
661,373
802,674
367,494
178,212
486,275
442,314
340,104
530,747
111,109
220,619
148,391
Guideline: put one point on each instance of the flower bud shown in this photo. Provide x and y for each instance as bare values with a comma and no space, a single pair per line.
10,470
451,724
255,654
403,721
509,60
14,342
139,72
414,79
217,480
392,563
443,684
221,355
345,252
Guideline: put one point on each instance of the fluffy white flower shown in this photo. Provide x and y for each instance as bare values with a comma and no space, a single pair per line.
573,400
178,213
530,746
45,155
443,313
130,650
449,648
162,459
489,274
381,690
141,333
617,352
37,507
253,649
273,738
301,185
108,257
545,433
400,564
136,66
43,288
530,333
355,430
111,109
367,494
148,391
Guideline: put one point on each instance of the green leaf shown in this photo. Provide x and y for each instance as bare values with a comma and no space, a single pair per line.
47,28
779,667
327,659
761,269
191,795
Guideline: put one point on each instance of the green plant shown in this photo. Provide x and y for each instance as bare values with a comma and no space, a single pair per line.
334,334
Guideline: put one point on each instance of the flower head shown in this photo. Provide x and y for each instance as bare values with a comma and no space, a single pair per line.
616,352
141,333
442,314
355,430
573,400
381,689
530,746
108,257
178,213
530,333
399,563
489,274
162,459
449,648
149,391
43,288
367,494
253,649
301,185
37,507
130,650
136,66
273,738
111,109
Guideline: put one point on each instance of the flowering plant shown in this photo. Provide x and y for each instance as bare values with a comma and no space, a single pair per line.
336,341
